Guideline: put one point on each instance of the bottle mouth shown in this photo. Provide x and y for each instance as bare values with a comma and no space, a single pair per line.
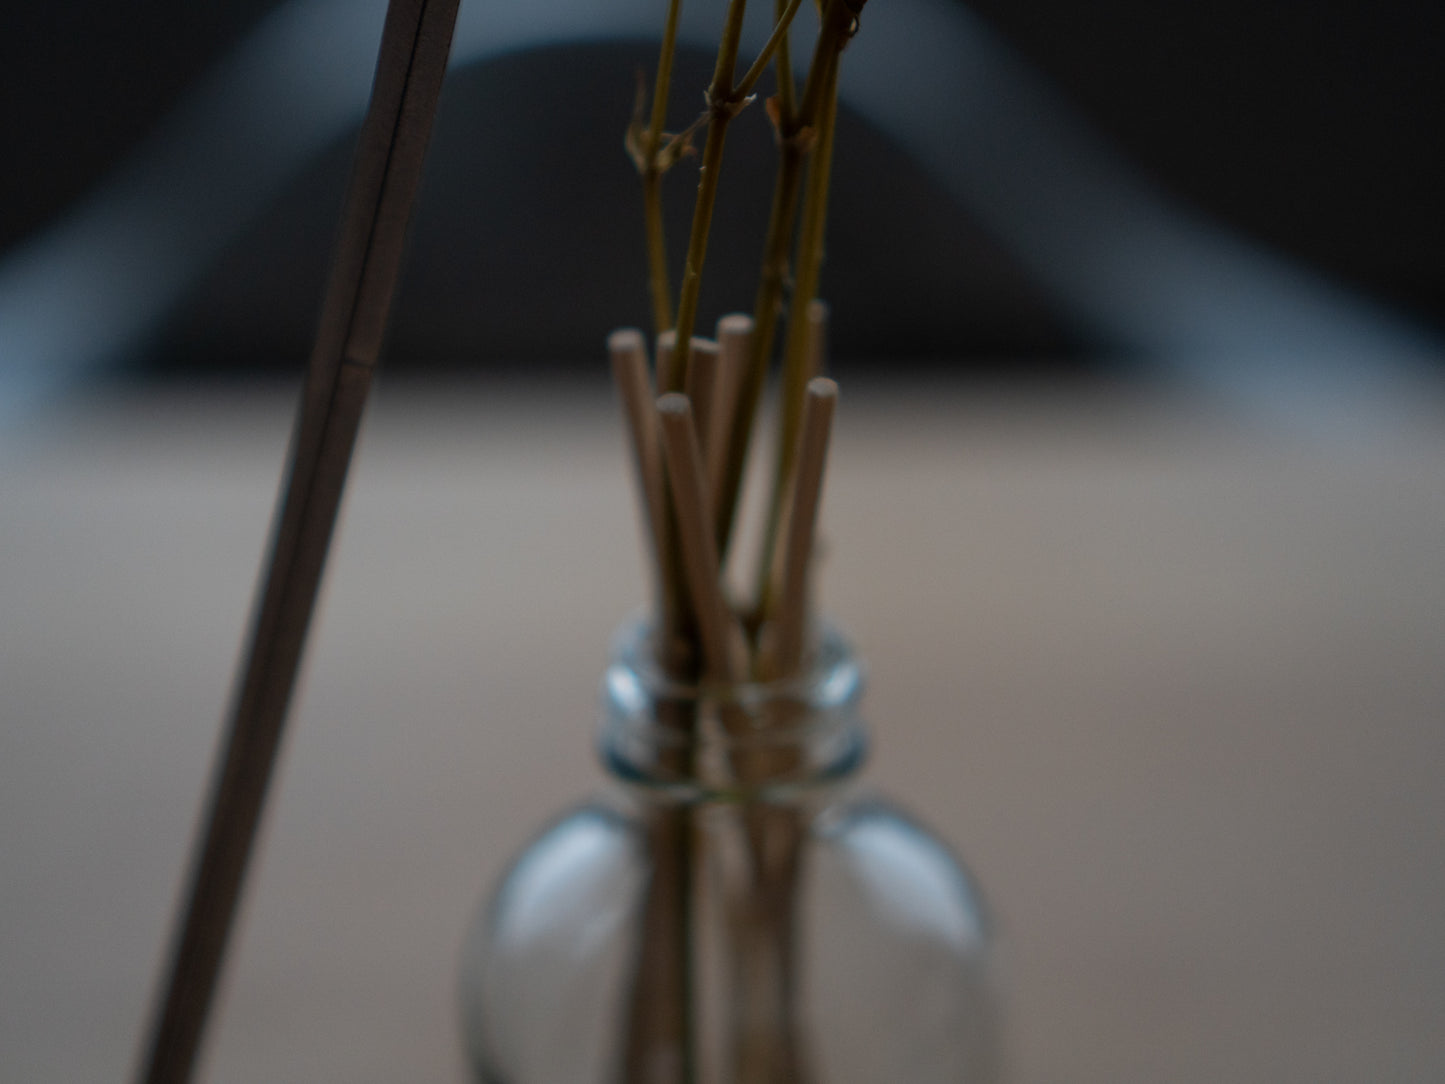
831,675
748,739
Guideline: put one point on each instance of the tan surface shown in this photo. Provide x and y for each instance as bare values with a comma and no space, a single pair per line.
1173,688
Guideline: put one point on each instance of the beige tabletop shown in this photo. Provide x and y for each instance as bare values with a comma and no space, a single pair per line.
1172,684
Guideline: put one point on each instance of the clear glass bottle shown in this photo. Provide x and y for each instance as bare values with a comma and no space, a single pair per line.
736,911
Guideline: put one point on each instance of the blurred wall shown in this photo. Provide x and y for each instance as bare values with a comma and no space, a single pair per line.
1312,131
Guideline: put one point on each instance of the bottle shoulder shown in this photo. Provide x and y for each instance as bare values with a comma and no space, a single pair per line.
887,926
592,847
905,874
861,846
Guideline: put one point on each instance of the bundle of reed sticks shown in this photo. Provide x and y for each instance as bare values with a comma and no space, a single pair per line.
691,406
678,441
679,444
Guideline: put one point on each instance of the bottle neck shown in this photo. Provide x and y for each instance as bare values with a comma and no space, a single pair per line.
751,741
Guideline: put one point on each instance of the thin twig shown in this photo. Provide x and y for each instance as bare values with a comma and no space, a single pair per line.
774,43
657,276
795,355
783,67
796,131
726,100
742,95
722,108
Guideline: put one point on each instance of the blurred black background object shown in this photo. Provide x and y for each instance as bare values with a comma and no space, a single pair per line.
1313,129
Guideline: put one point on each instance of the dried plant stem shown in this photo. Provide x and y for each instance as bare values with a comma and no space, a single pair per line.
783,69
777,43
652,170
657,278
724,100
797,130
702,440
721,109
796,353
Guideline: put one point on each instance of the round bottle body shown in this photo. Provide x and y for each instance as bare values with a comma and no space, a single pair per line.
735,911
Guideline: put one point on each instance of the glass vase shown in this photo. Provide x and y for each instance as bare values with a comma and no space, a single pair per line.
736,910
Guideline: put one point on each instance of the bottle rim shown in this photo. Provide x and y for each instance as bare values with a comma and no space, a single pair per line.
709,740
832,677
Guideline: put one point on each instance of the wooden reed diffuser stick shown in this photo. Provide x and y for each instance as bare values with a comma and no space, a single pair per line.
735,343
716,627
666,362
782,650
628,350
413,57
702,375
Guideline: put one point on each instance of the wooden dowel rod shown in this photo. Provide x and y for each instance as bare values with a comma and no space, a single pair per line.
702,365
664,377
674,618
415,42
715,623
783,651
815,349
628,351
735,344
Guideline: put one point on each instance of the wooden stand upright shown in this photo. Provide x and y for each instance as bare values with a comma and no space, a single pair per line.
415,44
